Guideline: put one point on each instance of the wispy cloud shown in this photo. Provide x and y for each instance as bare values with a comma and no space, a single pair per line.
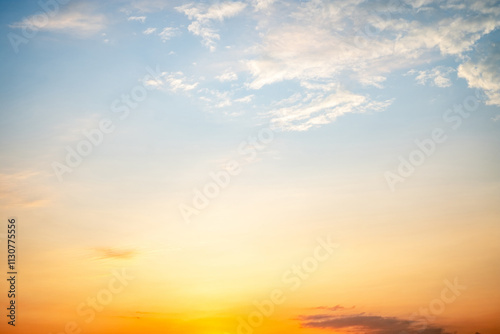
173,82
437,76
24,189
149,31
216,98
141,19
147,6
332,308
80,20
202,17
167,33
245,99
227,76
319,108
262,4
106,253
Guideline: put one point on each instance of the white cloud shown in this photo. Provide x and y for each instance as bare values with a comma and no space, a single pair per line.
78,20
217,12
221,99
438,76
216,98
208,35
297,52
367,80
452,36
227,76
262,4
167,33
319,44
319,108
484,74
324,40
173,82
245,99
137,18
482,6
202,17
327,42
419,3
149,31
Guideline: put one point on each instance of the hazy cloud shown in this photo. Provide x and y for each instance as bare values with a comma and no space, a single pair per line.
23,190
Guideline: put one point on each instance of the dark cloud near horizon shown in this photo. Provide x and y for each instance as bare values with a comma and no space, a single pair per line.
372,324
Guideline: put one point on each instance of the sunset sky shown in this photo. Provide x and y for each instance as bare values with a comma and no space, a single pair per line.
258,166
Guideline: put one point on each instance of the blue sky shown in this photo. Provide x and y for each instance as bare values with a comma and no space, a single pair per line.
228,67
346,88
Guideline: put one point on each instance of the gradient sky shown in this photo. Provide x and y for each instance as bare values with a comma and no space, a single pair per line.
340,93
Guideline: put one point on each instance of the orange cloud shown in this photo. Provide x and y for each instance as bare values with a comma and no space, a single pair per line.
104,253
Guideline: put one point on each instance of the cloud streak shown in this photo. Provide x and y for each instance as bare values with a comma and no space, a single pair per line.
318,108
203,16
372,324
105,253
79,20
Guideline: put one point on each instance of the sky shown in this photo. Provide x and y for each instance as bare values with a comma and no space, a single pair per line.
258,166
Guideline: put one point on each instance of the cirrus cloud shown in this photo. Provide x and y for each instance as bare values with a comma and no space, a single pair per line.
203,16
